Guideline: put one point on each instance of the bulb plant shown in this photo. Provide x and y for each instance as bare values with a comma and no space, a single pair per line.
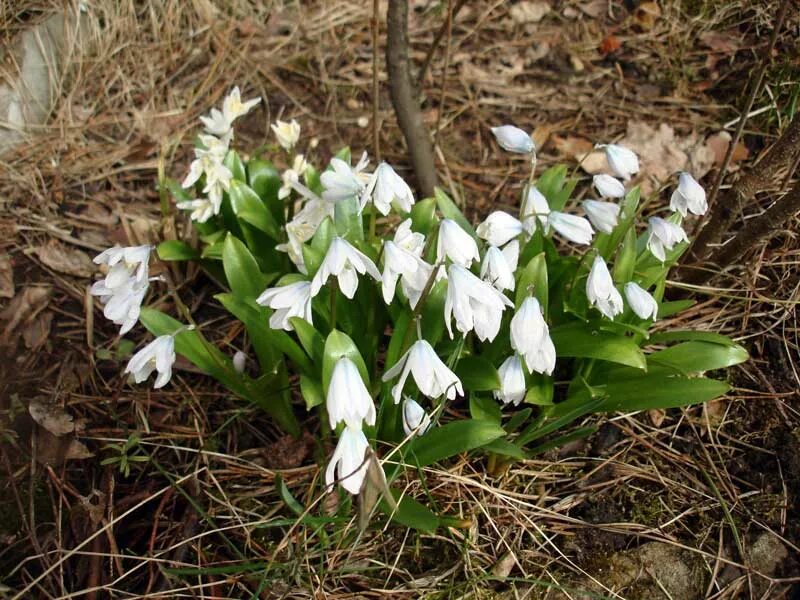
382,312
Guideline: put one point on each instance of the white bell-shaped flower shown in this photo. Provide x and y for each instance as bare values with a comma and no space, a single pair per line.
456,244
601,291
623,162
534,207
122,304
496,269
513,139
512,381
239,361
345,263
530,337
233,107
608,186
290,177
432,376
415,420
640,300
689,196
158,355
125,263
662,236
293,300
348,465
344,181
499,228
511,254
576,229
287,133
401,259
604,216
386,186
348,400
474,303
302,228
202,209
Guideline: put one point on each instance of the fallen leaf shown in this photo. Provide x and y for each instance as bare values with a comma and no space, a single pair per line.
656,416
6,277
37,330
719,143
646,15
583,152
503,567
23,308
65,259
721,41
51,416
77,451
714,412
541,134
609,45
529,12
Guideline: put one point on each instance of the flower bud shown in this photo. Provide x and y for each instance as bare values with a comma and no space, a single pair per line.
513,139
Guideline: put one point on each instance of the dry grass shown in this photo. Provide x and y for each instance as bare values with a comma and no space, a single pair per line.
207,515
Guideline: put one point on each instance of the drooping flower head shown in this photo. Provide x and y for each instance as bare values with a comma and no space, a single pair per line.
348,400
602,215
662,236
499,228
158,355
608,186
640,300
623,162
287,133
513,139
432,376
600,289
576,229
512,381
415,420
345,263
386,186
293,300
456,244
344,181
530,337
689,196
497,270
348,465
476,305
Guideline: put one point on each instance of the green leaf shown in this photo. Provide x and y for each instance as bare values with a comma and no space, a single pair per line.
667,309
578,434
241,269
540,390
660,391
323,236
348,221
454,438
477,374
485,409
534,275
176,250
503,447
234,162
550,184
312,259
249,208
340,345
423,216
606,243
687,335
287,497
263,178
411,513
311,391
213,251
255,321
699,356
311,339
562,415
626,258
581,340
452,212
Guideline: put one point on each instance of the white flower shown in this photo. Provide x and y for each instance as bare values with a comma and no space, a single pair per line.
623,162
663,235
239,361
689,195
302,228
233,107
603,215
386,186
499,228
123,304
496,270
125,263
415,420
535,206
513,139
575,229
476,304
512,381
414,284
348,462
608,186
642,303
348,400
202,209
292,175
401,259
158,355
287,133
455,244
345,181
511,254
431,375
345,263
530,337
601,291
208,162
293,300
216,123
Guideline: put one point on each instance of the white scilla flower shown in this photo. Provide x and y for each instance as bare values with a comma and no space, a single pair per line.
202,209
474,303
455,244
348,400
302,228
125,263
513,139
293,300
530,337
603,215
431,375
123,304
291,176
398,262
344,181
345,263
414,284
348,464
415,420
534,206
601,291
576,229
623,162
386,186
511,253
512,381
233,107
662,236
496,270
239,361
499,228
208,162
158,355
216,123
640,300
689,196
287,132
608,186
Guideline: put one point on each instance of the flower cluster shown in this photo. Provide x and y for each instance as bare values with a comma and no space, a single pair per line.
123,288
